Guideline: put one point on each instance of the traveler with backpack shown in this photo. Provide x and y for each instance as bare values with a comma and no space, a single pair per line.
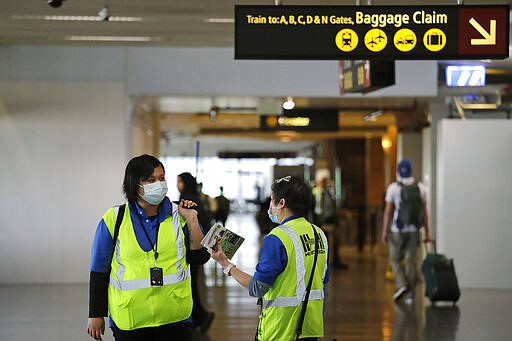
404,215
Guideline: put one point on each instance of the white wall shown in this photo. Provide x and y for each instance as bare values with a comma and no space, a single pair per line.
198,71
214,71
474,200
63,149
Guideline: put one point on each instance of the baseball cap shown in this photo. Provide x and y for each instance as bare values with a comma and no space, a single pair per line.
404,168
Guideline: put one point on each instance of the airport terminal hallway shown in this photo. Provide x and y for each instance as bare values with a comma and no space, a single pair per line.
360,305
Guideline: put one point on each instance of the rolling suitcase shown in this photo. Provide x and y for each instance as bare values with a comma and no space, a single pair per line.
440,279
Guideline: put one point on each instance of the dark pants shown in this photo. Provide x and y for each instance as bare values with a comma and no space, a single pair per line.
198,310
167,332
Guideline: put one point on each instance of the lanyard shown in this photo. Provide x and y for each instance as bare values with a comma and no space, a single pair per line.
155,247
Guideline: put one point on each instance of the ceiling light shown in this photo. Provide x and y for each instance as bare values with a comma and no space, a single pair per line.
386,143
110,38
372,117
220,20
289,104
73,18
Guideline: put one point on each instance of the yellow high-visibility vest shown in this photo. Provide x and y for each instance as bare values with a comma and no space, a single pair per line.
282,303
133,303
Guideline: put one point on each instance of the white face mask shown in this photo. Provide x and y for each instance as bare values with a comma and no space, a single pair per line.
154,192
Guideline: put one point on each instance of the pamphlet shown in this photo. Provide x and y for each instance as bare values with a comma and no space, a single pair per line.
230,241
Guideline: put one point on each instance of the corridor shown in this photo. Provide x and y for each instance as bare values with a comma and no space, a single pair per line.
360,306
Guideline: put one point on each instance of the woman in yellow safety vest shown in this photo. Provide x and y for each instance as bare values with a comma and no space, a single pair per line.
139,274
287,260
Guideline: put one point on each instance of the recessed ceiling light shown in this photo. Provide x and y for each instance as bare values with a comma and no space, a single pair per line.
73,18
110,38
289,104
220,20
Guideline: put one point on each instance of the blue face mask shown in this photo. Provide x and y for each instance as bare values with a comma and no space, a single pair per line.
272,217
154,192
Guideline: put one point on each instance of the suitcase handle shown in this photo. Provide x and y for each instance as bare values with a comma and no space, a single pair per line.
432,244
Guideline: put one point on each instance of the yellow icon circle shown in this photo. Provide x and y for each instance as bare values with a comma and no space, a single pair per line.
346,40
375,40
405,40
434,40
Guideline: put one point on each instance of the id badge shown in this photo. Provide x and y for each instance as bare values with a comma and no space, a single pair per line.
156,276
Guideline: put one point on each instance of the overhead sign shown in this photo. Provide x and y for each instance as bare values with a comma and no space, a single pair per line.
372,32
365,75
301,120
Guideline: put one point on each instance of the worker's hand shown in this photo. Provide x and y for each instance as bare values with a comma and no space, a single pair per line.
186,209
96,327
218,254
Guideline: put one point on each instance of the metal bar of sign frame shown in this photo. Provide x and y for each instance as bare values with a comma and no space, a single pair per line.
372,32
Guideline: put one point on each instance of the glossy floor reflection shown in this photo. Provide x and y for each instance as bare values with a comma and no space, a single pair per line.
360,306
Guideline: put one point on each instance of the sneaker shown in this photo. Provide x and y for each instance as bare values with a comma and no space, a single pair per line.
409,301
399,293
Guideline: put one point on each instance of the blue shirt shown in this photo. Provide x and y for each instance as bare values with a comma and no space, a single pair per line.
103,244
272,262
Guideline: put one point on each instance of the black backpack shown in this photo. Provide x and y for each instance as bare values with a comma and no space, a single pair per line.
411,206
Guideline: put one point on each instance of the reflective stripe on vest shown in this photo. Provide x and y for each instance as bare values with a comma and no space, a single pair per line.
296,300
143,283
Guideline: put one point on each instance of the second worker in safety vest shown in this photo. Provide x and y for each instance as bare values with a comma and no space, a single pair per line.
287,259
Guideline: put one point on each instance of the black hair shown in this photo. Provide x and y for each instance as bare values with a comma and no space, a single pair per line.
296,192
138,169
190,183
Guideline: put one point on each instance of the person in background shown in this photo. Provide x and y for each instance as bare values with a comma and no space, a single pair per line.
188,188
142,278
325,215
207,203
222,207
287,260
403,239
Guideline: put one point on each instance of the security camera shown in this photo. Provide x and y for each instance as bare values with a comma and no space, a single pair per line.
55,3
104,13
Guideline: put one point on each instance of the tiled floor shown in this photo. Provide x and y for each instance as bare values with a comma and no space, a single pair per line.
360,306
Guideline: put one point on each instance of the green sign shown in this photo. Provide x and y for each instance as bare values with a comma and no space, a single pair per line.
372,32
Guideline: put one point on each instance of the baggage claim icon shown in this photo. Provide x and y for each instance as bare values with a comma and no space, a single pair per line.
346,40
375,40
434,40
405,40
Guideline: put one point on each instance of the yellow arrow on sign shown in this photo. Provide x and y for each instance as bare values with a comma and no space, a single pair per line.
489,37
